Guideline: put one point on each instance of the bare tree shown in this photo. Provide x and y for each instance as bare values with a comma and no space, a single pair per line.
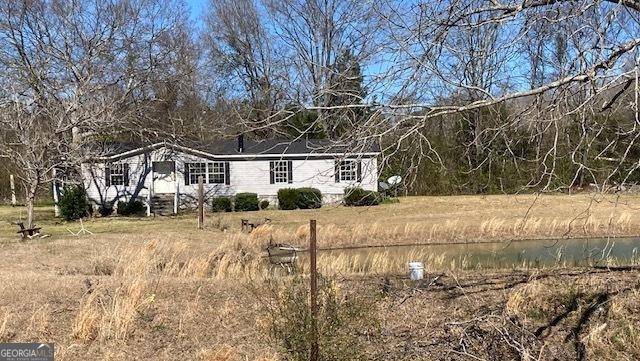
315,34
77,72
465,57
243,54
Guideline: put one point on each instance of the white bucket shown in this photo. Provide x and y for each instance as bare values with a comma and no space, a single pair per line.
416,271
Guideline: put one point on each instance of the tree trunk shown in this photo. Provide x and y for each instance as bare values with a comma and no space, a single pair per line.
30,199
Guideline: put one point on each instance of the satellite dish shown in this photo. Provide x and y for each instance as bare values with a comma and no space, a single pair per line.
394,180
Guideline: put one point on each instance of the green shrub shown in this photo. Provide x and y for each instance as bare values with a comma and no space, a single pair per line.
264,204
358,197
133,207
341,322
309,198
246,202
221,204
303,198
73,203
105,210
288,198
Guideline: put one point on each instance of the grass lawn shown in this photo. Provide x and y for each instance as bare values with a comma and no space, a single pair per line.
157,288
412,220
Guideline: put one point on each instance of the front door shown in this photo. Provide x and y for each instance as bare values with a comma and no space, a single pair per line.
164,177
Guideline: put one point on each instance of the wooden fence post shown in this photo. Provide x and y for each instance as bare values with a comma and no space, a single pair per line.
200,202
56,196
12,184
314,291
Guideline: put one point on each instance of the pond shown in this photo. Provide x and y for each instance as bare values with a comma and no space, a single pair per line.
531,253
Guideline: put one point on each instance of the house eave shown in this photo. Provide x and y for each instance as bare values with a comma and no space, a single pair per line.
247,156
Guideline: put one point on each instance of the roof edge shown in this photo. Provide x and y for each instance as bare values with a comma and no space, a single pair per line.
154,146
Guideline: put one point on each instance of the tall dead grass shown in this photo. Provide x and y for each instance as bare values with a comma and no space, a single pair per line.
40,322
242,256
105,316
5,315
108,313
458,231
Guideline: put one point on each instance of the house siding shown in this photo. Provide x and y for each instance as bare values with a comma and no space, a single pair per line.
245,176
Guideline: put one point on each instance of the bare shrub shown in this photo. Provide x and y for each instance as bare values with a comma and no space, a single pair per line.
343,320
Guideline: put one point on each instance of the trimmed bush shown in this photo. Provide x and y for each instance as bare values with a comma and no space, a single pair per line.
105,210
221,204
303,198
73,203
288,198
264,204
309,198
132,208
358,197
246,202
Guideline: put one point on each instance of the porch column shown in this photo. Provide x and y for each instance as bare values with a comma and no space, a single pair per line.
175,199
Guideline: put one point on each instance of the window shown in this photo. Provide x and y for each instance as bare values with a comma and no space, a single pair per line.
281,171
213,173
196,170
117,174
348,171
216,172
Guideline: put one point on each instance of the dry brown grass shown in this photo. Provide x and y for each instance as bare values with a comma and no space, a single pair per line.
40,322
162,290
106,315
160,299
5,314
617,337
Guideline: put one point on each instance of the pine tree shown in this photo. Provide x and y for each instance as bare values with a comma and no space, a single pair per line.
347,90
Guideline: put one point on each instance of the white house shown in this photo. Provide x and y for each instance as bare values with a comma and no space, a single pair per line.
165,175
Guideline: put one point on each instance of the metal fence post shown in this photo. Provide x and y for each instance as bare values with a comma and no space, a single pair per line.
314,291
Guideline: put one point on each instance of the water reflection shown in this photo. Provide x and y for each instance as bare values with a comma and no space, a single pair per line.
536,253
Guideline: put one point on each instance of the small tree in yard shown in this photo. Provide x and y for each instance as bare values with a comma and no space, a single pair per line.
73,203
26,141
342,320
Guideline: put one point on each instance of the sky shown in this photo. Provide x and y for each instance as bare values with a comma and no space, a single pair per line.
197,7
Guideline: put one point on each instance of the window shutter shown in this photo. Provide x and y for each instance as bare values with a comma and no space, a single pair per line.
187,181
337,169
290,170
125,171
107,175
227,174
272,179
359,171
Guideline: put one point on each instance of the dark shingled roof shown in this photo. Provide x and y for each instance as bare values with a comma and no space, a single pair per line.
282,146
252,147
